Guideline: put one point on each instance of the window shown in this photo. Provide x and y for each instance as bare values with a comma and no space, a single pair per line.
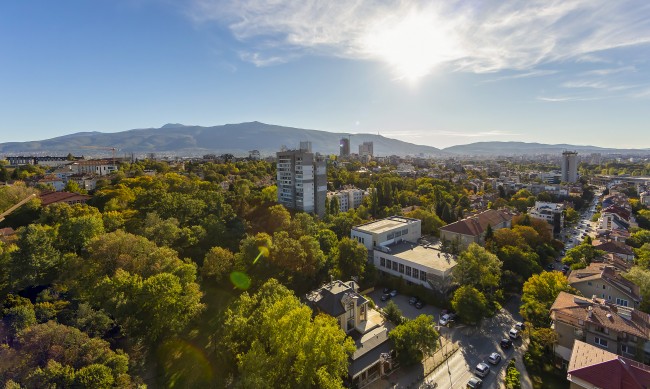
627,349
390,236
398,233
423,276
388,263
589,283
621,302
401,268
394,265
405,231
603,287
416,273
408,271
600,341
382,262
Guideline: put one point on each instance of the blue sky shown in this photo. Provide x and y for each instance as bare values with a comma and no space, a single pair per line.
434,73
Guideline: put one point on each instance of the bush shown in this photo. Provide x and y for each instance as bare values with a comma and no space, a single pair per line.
513,376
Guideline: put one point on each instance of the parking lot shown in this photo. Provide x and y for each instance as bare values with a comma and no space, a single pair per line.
402,302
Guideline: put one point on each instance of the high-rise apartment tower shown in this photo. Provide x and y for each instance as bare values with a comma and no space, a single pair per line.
570,166
302,181
344,146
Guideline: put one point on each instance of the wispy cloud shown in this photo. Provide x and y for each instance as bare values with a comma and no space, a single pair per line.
468,36
530,74
480,134
607,72
562,99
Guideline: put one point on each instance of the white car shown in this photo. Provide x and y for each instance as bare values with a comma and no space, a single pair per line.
513,333
494,358
482,369
444,319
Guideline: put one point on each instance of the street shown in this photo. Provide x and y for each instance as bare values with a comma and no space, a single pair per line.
476,344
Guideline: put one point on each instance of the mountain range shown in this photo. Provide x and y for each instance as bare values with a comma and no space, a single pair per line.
238,139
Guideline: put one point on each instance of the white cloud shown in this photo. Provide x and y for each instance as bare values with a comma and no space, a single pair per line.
415,36
561,99
606,72
529,74
475,134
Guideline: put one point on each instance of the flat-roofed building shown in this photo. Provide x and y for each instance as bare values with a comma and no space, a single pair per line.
387,231
417,264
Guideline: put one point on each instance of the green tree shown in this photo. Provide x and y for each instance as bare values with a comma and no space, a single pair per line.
275,342
477,267
59,351
37,260
148,309
218,263
351,259
470,304
75,233
539,293
415,339
393,313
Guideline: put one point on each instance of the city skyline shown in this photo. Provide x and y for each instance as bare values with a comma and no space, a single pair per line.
437,74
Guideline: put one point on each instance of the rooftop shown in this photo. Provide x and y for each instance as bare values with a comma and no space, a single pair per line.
603,369
607,273
425,256
576,311
387,224
477,224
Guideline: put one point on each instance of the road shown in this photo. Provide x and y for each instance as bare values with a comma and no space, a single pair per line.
476,344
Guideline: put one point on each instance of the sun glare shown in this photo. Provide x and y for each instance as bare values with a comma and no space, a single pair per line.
412,45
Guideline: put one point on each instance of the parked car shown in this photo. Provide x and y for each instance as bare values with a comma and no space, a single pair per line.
513,333
494,358
413,300
385,297
520,326
444,319
506,343
419,305
550,267
386,291
393,293
474,383
482,369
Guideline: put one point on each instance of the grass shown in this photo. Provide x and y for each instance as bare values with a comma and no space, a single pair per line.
549,377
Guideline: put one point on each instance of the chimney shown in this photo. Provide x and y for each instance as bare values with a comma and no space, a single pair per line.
590,312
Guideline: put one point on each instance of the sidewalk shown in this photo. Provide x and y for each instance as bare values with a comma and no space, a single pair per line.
413,376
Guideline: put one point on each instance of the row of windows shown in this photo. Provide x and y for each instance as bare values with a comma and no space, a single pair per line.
397,234
403,269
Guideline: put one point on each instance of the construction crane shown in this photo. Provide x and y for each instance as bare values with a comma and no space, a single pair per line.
21,202
113,149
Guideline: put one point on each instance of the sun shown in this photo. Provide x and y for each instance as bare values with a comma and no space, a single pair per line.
412,44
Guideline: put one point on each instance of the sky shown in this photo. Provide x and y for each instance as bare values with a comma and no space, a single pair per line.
436,73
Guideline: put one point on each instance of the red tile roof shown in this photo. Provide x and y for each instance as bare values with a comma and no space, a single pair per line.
476,225
48,198
606,370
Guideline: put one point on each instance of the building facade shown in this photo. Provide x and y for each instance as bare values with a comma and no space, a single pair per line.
472,229
344,147
384,232
350,198
366,149
621,330
570,166
302,181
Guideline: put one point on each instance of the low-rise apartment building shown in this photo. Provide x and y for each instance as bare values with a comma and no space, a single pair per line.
472,229
552,213
599,279
620,330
